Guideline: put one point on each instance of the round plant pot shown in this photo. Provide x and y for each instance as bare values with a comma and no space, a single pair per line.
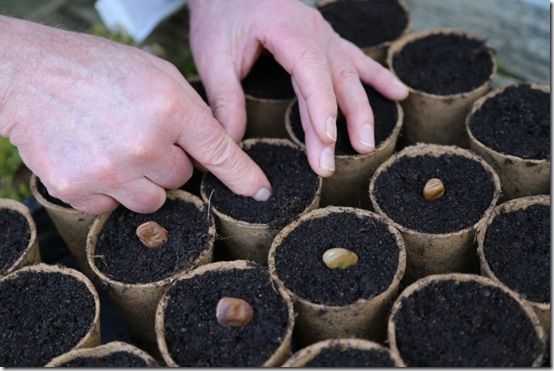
247,226
514,249
19,245
348,184
188,329
46,311
113,354
510,129
137,275
334,303
344,353
371,25
445,71
439,234
72,224
464,320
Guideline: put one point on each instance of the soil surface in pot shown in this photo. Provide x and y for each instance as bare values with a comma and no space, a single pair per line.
464,324
338,357
299,264
15,237
294,186
469,191
385,114
196,339
268,80
517,248
41,188
444,64
42,316
515,122
366,23
115,359
121,256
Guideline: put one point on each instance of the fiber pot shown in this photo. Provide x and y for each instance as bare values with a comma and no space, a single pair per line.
203,281
542,308
30,254
252,240
45,291
306,356
519,176
96,357
323,318
437,118
460,320
348,184
442,252
72,225
138,301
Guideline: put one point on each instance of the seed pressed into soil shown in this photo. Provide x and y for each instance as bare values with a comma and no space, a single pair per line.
469,191
294,186
366,23
115,359
195,338
464,324
385,114
268,80
42,316
44,193
444,64
15,236
515,122
121,256
299,265
338,357
517,248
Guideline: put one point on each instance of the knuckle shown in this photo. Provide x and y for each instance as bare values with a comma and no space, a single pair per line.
219,153
311,57
347,72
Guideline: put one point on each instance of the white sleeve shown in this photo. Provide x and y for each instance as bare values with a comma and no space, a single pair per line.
137,17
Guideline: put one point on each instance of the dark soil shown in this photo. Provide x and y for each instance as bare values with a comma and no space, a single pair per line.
451,324
515,122
121,256
294,186
444,64
385,114
116,359
41,188
299,263
517,247
469,190
338,357
42,316
268,80
199,88
195,338
366,23
15,237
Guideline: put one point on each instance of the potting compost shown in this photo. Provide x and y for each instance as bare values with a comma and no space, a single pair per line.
116,359
15,237
338,357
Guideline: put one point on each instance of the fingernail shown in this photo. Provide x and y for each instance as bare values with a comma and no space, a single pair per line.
331,128
327,159
263,194
399,84
367,137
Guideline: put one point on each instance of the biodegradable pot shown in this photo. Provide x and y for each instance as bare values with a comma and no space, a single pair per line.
459,278
72,224
519,176
31,254
303,357
102,351
541,309
348,184
432,118
363,318
245,240
277,357
431,253
138,301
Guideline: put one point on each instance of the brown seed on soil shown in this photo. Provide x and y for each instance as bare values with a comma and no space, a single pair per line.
151,234
339,258
233,312
433,189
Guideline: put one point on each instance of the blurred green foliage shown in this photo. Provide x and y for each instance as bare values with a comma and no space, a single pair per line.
9,164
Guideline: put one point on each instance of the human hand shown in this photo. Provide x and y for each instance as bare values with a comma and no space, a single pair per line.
226,38
101,123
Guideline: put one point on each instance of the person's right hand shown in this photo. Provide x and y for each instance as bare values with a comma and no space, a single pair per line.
101,123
